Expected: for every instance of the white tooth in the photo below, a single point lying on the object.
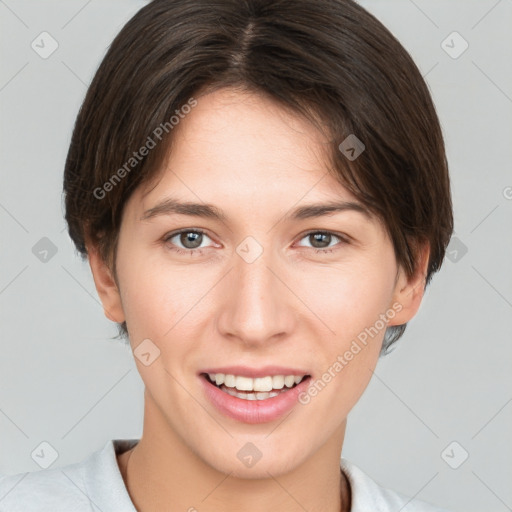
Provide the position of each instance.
(274, 393)
(229, 380)
(277, 382)
(230, 391)
(289, 381)
(243, 383)
(263, 384)
(262, 396)
(250, 396)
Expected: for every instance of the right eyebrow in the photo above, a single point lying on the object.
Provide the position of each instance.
(171, 206)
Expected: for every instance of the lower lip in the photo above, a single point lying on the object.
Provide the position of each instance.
(253, 411)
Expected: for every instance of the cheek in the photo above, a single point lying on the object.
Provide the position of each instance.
(350, 301)
(161, 300)
(149, 292)
(348, 298)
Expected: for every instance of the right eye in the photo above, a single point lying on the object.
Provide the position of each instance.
(190, 240)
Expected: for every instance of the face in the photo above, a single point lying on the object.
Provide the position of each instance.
(258, 287)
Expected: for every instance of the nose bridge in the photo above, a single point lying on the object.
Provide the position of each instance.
(255, 309)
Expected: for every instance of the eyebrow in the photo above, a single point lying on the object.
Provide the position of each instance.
(170, 206)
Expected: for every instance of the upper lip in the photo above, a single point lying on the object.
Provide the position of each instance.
(264, 371)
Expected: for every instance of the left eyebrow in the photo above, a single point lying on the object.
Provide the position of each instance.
(170, 206)
(321, 209)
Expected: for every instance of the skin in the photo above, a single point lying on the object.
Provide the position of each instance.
(291, 306)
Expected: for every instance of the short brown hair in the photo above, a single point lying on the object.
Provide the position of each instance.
(329, 61)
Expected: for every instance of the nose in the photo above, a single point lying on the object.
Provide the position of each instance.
(257, 305)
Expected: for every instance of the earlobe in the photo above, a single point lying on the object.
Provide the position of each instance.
(106, 286)
(409, 291)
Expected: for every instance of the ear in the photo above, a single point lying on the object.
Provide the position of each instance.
(105, 285)
(409, 290)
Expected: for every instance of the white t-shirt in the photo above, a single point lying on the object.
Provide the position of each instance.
(96, 484)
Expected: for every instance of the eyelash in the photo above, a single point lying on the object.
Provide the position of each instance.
(168, 237)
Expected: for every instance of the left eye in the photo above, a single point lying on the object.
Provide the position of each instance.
(322, 238)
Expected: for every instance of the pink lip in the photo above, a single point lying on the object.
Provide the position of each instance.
(253, 411)
(246, 371)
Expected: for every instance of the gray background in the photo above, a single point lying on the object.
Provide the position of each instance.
(64, 382)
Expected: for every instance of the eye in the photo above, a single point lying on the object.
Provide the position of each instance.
(190, 240)
(321, 240)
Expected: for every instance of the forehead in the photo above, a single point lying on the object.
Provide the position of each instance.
(246, 134)
(243, 150)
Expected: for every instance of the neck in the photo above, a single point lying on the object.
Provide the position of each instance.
(162, 470)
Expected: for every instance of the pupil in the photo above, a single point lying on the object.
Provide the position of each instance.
(191, 237)
(318, 238)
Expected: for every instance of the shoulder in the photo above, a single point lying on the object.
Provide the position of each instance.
(369, 495)
(94, 483)
(47, 490)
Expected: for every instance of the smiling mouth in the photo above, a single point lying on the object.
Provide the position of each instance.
(254, 389)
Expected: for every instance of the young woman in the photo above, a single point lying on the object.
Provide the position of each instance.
(261, 190)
